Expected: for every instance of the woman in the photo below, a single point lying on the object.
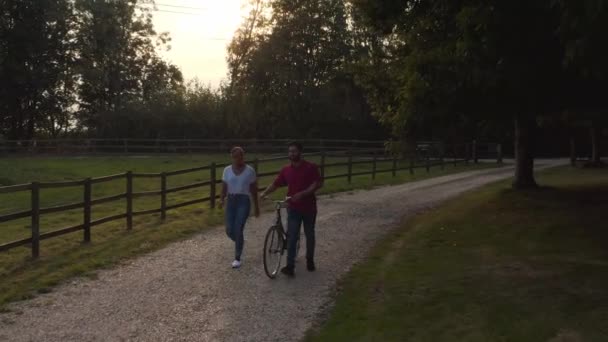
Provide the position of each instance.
(239, 186)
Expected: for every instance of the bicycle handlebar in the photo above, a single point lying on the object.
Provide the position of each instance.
(283, 204)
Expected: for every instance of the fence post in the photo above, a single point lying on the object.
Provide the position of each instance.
(129, 200)
(125, 144)
(163, 196)
(412, 161)
(87, 210)
(474, 152)
(572, 152)
(256, 165)
(212, 179)
(394, 165)
(428, 161)
(499, 150)
(322, 164)
(455, 148)
(350, 167)
(467, 151)
(374, 165)
(35, 220)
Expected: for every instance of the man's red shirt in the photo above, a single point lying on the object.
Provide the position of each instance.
(297, 179)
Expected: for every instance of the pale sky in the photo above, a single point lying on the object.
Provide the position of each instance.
(200, 31)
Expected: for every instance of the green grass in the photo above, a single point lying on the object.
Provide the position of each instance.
(65, 257)
(493, 265)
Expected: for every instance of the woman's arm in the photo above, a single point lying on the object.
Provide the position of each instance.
(223, 195)
(224, 189)
(256, 201)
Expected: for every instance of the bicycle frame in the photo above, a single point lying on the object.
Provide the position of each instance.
(279, 222)
(279, 219)
(279, 229)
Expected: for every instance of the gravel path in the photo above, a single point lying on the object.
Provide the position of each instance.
(186, 291)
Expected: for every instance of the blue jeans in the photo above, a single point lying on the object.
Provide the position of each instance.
(237, 212)
(294, 221)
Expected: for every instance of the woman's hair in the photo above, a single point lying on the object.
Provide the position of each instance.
(238, 149)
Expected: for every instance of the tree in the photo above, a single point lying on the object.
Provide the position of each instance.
(247, 39)
(583, 32)
(118, 60)
(206, 110)
(36, 66)
(289, 71)
(91, 67)
(161, 110)
(472, 60)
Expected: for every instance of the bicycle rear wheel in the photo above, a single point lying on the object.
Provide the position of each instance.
(273, 252)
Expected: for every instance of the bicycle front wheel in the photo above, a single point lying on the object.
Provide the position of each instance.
(273, 251)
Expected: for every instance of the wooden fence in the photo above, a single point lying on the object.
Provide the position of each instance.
(150, 146)
(436, 157)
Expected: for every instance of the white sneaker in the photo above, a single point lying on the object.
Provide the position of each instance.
(236, 264)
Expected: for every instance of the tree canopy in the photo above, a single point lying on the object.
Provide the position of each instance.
(450, 70)
(291, 71)
(481, 62)
(100, 74)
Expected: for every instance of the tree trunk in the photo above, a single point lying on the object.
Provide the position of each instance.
(596, 150)
(572, 151)
(524, 152)
(31, 126)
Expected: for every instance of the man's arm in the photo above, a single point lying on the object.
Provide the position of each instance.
(270, 189)
(278, 182)
(314, 186)
(307, 192)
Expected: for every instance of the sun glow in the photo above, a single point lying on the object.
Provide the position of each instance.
(200, 31)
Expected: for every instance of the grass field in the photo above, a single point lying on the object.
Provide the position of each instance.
(493, 265)
(66, 256)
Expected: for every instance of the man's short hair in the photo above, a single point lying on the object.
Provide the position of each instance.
(296, 145)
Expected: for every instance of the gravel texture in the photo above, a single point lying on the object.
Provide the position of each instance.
(187, 291)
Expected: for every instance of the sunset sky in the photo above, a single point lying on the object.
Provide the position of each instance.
(200, 31)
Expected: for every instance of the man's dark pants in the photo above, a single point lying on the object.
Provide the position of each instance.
(295, 220)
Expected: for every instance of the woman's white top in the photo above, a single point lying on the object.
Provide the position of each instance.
(239, 184)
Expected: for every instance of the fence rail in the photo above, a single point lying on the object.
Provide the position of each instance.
(432, 156)
(113, 146)
(151, 146)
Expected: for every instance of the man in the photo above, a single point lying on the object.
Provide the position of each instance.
(302, 179)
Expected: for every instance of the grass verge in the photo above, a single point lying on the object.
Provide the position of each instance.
(493, 265)
(66, 257)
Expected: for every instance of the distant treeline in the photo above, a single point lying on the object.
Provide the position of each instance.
(92, 68)
(519, 71)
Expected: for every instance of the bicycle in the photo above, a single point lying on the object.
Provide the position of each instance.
(275, 243)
